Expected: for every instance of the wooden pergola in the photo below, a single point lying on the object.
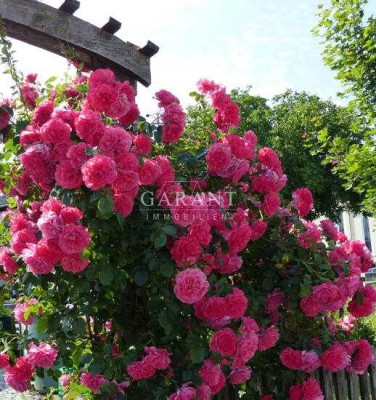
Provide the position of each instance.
(60, 32)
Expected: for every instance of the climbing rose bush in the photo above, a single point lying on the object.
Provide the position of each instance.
(153, 272)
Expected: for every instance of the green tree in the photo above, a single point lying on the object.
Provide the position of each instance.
(349, 40)
(297, 125)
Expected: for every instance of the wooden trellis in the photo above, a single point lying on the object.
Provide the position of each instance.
(60, 32)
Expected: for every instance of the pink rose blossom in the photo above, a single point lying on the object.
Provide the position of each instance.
(270, 159)
(271, 203)
(157, 358)
(71, 215)
(239, 237)
(89, 127)
(201, 233)
(55, 131)
(258, 229)
(74, 263)
(74, 239)
(93, 381)
(149, 172)
(68, 175)
(115, 140)
(218, 158)
(310, 361)
(268, 338)
(214, 308)
(291, 358)
(210, 373)
(131, 116)
(18, 376)
(6, 260)
(165, 98)
(43, 356)
(76, 154)
(237, 303)
(50, 224)
(141, 370)
(361, 357)
(101, 97)
(303, 201)
(42, 113)
(203, 392)
(143, 144)
(98, 172)
(21, 239)
(65, 379)
(335, 358)
(4, 360)
(311, 390)
(185, 393)
(173, 120)
(20, 310)
(191, 285)
(216, 388)
(248, 325)
(240, 375)
(186, 251)
(245, 350)
(37, 259)
(123, 204)
(189, 210)
(224, 342)
(101, 76)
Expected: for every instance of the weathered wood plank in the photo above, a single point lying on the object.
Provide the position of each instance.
(365, 392)
(353, 385)
(372, 379)
(340, 385)
(112, 26)
(59, 32)
(150, 49)
(70, 6)
(328, 385)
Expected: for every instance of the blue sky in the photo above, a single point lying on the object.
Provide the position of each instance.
(267, 44)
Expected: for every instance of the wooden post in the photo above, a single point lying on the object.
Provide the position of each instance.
(60, 32)
(364, 387)
(353, 385)
(340, 385)
(328, 385)
(372, 378)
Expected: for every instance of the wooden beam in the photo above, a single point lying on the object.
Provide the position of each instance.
(112, 26)
(70, 6)
(150, 49)
(64, 34)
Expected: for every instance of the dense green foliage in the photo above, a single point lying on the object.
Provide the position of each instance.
(349, 40)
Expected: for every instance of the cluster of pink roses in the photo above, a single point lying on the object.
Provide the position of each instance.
(355, 356)
(82, 149)
(47, 234)
(227, 113)
(156, 359)
(235, 351)
(75, 148)
(308, 390)
(331, 296)
(173, 118)
(18, 376)
(29, 91)
(4, 114)
(24, 313)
